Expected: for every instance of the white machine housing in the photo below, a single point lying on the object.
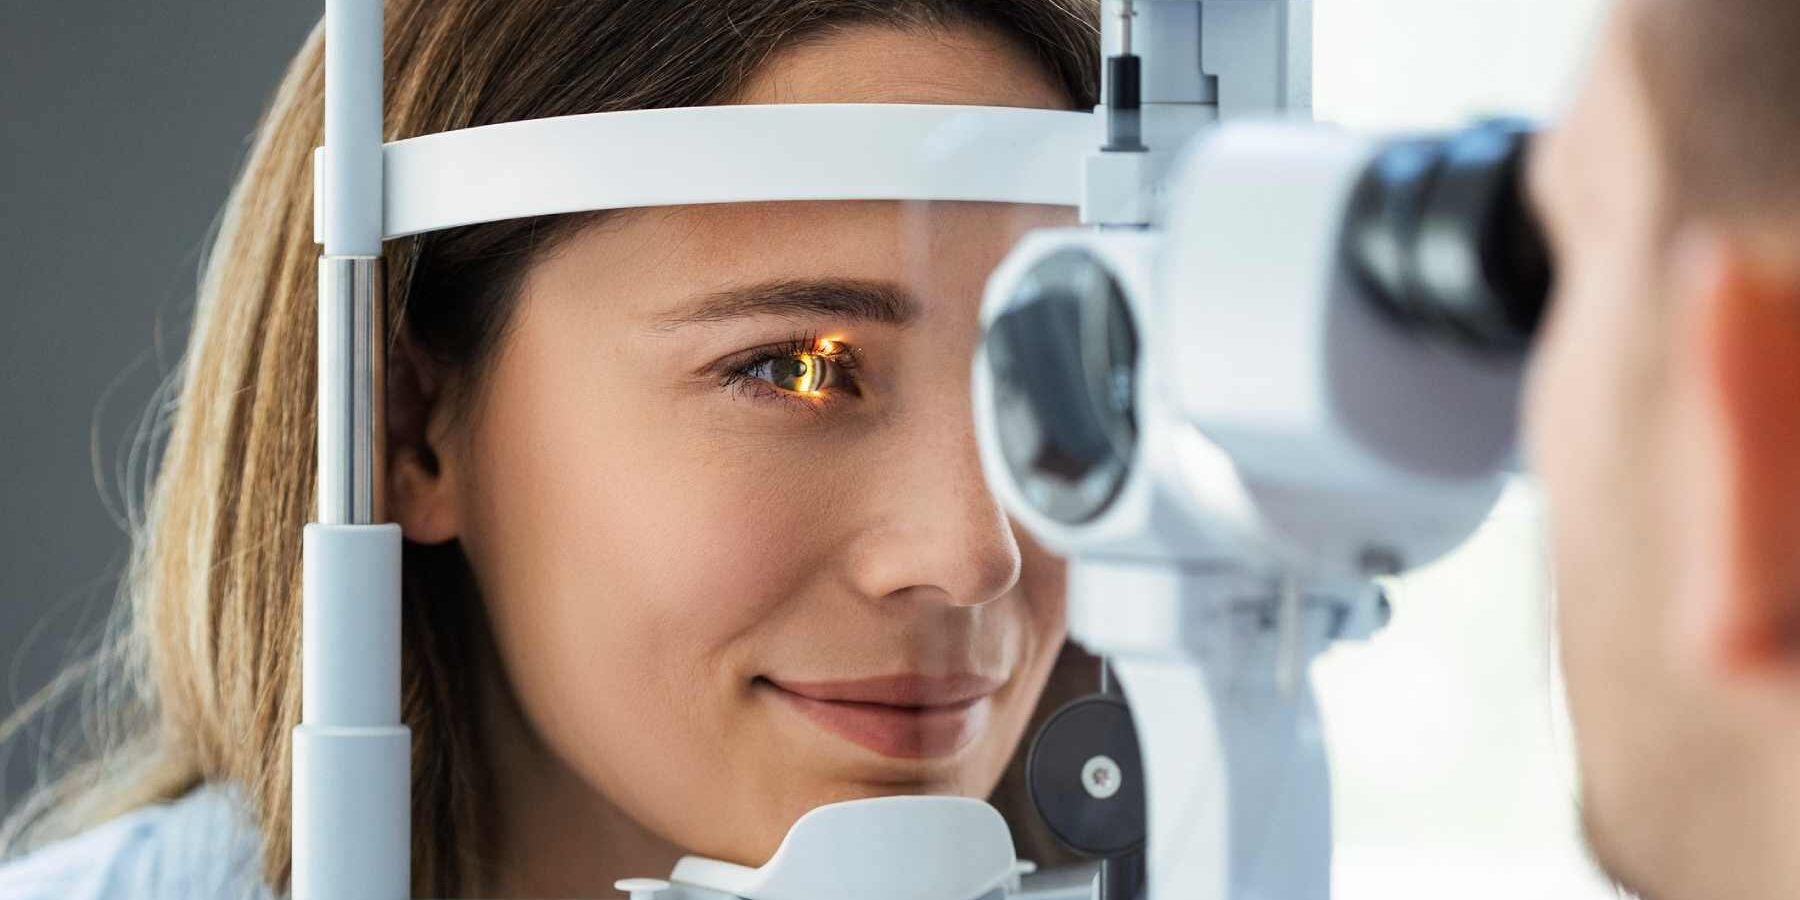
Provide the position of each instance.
(1293, 443)
(1278, 408)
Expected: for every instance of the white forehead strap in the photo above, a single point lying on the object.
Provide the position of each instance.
(731, 154)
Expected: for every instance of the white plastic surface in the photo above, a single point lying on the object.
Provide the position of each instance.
(352, 757)
(1240, 806)
(884, 848)
(1262, 53)
(1182, 499)
(352, 813)
(1120, 188)
(727, 154)
(1350, 433)
(350, 631)
(349, 222)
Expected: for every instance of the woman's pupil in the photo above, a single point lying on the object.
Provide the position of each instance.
(792, 369)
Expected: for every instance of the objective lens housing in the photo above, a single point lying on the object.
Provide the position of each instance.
(1063, 356)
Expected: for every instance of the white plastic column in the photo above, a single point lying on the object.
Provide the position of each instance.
(1204, 61)
(351, 756)
(1238, 790)
(352, 775)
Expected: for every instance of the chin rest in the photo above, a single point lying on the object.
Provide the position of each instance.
(885, 848)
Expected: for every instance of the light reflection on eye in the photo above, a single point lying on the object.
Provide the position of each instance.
(801, 374)
(811, 369)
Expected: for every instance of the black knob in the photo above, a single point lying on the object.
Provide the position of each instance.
(1087, 779)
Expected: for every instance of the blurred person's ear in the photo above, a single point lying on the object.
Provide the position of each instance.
(1736, 324)
(423, 465)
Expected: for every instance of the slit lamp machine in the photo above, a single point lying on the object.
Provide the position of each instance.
(1276, 362)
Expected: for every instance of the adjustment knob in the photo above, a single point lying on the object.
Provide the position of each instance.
(1087, 778)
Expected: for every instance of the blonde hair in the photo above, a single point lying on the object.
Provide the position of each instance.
(200, 681)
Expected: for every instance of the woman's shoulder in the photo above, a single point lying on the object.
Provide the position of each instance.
(202, 846)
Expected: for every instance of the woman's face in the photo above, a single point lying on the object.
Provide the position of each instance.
(722, 497)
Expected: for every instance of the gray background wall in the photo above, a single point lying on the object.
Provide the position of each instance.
(124, 122)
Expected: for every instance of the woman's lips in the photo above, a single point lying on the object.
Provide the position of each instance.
(900, 716)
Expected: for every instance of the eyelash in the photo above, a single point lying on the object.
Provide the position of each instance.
(740, 373)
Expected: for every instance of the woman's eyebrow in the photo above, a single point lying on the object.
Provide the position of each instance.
(837, 298)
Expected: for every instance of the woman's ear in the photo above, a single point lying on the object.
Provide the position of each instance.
(1741, 315)
(424, 462)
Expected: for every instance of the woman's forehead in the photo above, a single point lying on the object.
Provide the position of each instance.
(968, 65)
(647, 263)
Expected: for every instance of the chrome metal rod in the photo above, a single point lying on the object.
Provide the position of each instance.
(352, 391)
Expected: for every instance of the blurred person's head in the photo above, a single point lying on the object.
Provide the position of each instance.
(697, 535)
(1665, 422)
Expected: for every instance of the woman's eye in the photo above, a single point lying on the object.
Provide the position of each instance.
(813, 370)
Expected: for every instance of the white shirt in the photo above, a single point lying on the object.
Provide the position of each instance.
(201, 847)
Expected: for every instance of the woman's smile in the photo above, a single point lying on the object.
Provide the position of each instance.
(906, 716)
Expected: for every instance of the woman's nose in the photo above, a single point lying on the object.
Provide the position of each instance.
(934, 526)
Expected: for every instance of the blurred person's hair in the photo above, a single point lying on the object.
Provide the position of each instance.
(199, 679)
(1723, 80)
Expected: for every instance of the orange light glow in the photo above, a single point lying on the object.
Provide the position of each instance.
(814, 379)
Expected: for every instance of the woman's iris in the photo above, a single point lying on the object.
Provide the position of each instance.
(813, 369)
(807, 371)
(802, 373)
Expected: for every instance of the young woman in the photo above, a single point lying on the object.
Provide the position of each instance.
(697, 535)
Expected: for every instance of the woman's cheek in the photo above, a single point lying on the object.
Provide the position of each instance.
(623, 560)
(1044, 578)
(1041, 593)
